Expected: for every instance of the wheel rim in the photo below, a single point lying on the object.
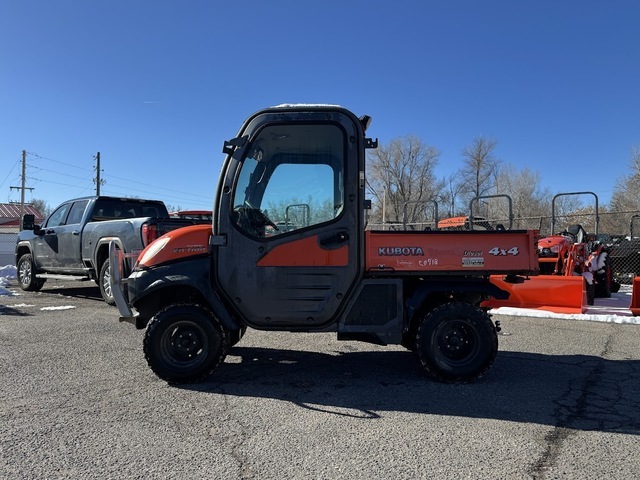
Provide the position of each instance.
(25, 273)
(184, 345)
(106, 285)
(457, 341)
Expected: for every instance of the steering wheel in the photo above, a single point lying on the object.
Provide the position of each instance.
(253, 219)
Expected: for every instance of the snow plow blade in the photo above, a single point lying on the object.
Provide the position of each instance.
(558, 294)
(635, 297)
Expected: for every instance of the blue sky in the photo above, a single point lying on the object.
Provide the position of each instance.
(157, 86)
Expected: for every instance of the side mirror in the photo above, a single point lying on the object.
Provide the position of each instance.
(28, 221)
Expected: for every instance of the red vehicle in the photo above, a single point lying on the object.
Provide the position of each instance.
(462, 223)
(193, 214)
(573, 252)
(289, 250)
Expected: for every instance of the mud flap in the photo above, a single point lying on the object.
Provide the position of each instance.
(558, 294)
(635, 297)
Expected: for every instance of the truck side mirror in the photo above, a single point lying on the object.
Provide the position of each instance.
(28, 221)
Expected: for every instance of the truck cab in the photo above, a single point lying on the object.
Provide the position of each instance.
(290, 218)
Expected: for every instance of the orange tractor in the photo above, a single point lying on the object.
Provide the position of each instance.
(574, 269)
(573, 252)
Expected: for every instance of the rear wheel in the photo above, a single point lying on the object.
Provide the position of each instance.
(103, 283)
(591, 293)
(604, 280)
(456, 342)
(184, 343)
(27, 275)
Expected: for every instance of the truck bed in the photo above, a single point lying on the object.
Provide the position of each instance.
(452, 252)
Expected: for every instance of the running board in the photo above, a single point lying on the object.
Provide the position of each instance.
(62, 276)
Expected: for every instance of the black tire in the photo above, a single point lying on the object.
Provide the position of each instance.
(27, 274)
(409, 337)
(103, 283)
(184, 343)
(604, 280)
(591, 293)
(615, 286)
(456, 342)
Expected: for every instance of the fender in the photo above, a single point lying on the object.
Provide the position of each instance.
(94, 261)
(177, 281)
(477, 286)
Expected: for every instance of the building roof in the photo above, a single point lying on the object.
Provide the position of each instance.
(10, 214)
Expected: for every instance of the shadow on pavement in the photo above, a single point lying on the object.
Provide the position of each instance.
(566, 391)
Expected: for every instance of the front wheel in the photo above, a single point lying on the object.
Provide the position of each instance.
(27, 275)
(456, 342)
(184, 343)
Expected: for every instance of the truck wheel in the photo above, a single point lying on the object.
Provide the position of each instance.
(27, 275)
(103, 283)
(184, 343)
(456, 342)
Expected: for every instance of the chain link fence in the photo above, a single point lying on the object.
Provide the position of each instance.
(8, 237)
(623, 244)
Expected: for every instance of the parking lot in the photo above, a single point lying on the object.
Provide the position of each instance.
(77, 400)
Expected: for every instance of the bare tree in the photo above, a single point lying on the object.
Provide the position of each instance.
(402, 174)
(477, 177)
(451, 196)
(625, 196)
(42, 206)
(531, 203)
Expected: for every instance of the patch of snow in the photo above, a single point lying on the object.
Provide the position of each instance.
(62, 307)
(7, 273)
(610, 310)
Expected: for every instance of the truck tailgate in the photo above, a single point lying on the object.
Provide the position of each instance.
(444, 252)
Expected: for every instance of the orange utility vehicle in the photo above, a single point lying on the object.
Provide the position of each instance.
(197, 289)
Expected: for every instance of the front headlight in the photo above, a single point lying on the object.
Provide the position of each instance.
(152, 250)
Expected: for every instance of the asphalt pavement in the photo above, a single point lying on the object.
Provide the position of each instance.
(77, 400)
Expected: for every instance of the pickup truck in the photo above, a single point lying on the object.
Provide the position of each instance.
(73, 241)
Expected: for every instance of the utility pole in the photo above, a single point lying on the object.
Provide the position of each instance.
(24, 176)
(23, 187)
(98, 180)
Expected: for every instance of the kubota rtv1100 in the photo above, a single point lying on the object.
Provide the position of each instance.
(289, 250)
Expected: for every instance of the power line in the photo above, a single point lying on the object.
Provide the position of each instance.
(57, 161)
(11, 171)
(186, 196)
(58, 173)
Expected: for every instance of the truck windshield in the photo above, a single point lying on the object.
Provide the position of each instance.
(291, 178)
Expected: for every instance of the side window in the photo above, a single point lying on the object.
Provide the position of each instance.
(293, 208)
(58, 217)
(77, 211)
(291, 178)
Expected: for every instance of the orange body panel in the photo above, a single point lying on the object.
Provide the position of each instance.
(635, 297)
(552, 293)
(181, 243)
(452, 252)
(305, 252)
